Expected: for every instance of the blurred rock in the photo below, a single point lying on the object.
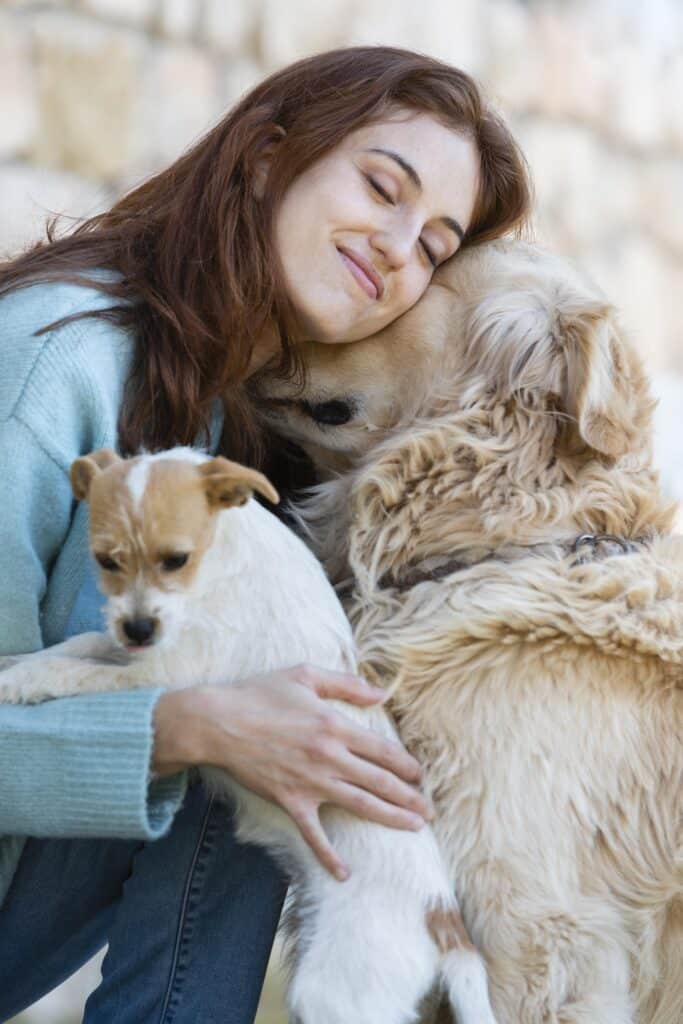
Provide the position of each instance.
(232, 28)
(87, 81)
(137, 12)
(168, 118)
(18, 105)
(178, 18)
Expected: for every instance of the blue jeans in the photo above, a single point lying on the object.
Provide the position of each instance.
(189, 919)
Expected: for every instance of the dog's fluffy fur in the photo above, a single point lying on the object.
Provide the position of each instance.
(501, 418)
(251, 598)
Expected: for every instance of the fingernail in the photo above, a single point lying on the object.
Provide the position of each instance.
(341, 873)
(417, 822)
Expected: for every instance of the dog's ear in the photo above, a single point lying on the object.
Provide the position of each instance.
(85, 469)
(557, 341)
(606, 392)
(228, 483)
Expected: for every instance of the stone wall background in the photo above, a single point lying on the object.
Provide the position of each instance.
(95, 94)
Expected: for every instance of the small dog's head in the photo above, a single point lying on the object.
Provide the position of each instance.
(152, 521)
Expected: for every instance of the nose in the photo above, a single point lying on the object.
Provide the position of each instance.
(140, 631)
(395, 245)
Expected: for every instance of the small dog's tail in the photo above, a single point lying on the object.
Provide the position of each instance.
(463, 971)
(463, 974)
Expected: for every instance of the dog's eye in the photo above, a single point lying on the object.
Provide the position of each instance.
(173, 562)
(331, 414)
(107, 563)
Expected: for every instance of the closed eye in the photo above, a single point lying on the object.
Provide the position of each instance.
(389, 199)
(430, 255)
(382, 191)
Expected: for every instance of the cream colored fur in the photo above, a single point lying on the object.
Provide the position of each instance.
(502, 417)
(250, 599)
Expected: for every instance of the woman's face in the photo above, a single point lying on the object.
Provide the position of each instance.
(360, 232)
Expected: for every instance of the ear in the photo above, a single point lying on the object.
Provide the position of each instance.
(228, 483)
(262, 163)
(84, 470)
(606, 388)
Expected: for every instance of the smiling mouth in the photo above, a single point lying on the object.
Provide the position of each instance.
(365, 275)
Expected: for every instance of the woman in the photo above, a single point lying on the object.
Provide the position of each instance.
(318, 208)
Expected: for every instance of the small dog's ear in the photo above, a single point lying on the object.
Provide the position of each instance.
(606, 388)
(228, 483)
(85, 469)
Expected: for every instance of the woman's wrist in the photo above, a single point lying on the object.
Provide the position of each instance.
(181, 730)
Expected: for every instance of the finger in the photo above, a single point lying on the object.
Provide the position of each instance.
(365, 805)
(340, 685)
(380, 751)
(383, 784)
(313, 833)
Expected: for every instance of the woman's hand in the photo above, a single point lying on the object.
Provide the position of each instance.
(277, 736)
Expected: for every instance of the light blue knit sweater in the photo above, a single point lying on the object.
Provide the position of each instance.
(77, 766)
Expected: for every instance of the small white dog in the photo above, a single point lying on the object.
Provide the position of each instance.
(192, 570)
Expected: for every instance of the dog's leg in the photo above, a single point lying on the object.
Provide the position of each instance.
(88, 663)
(362, 956)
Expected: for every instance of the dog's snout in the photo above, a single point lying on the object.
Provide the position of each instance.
(140, 631)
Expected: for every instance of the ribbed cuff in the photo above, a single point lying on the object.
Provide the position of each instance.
(80, 766)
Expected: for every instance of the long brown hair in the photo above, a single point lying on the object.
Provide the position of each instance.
(194, 274)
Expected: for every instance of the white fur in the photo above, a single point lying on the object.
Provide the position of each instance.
(260, 601)
(137, 482)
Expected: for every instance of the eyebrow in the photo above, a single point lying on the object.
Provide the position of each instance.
(449, 222)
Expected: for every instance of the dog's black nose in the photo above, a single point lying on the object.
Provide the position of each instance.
(140, 631)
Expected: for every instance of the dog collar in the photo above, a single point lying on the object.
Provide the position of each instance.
(587, 547)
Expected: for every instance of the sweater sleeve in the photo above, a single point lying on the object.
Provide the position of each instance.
(79, 766)
(35, 519)
(76, 766)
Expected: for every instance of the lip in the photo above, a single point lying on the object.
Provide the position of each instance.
(365, 274)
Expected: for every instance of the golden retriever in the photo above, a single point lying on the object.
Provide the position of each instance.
(536, 671)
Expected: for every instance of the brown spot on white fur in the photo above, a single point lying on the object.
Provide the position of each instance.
(446, 927)
(140, 534)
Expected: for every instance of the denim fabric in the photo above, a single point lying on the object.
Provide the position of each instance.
(189, 919)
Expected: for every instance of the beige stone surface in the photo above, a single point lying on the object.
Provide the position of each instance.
(178, 18)
(96, 93)
(137, 12)
(18, 101)
(87, 78)
(232, 28)
(177, 98)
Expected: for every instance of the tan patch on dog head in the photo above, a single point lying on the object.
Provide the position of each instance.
(447, 929)
(155, 527)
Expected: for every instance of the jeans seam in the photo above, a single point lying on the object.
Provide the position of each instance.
(175, 971)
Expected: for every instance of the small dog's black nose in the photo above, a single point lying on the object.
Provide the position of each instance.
(140, 631)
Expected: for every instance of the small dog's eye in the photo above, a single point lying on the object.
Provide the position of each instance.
(330, 414)
(173, 562)
(107, 563)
